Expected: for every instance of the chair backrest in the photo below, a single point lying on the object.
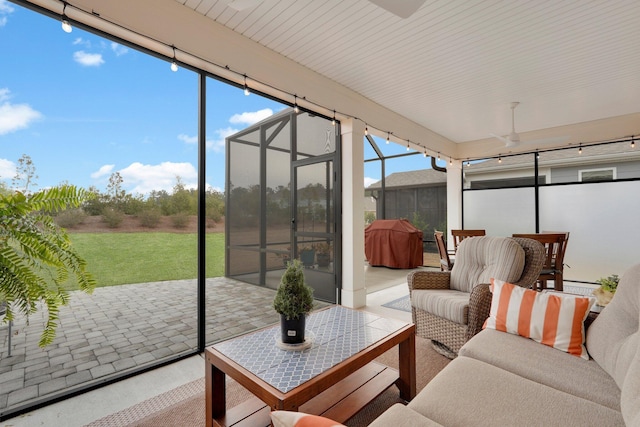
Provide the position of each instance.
(555, 247)
(459, 235)
(445, 261)
(485, 257)
(563, 249)
(534, 257)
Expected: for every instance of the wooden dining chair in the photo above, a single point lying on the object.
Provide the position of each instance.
(555, 245)
(445, 261)
(459, 235)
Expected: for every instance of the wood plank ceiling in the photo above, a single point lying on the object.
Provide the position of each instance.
(455, 65)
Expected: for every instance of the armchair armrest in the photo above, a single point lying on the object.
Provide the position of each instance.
(479, 307)
(428, 280)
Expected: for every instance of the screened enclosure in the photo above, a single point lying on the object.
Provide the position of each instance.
(282, 198)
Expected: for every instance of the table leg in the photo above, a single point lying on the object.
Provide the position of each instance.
(215, 394)
(407, 364)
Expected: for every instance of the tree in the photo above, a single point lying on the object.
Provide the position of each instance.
(115, 191)
(36, 256)
(25, 175)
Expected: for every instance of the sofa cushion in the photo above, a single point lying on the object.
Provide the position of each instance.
(552, 319)
(469, 392)
(446, 303)
(544, 365)
(630, 398)
(399, 415)
(481, 258)
(613, 337)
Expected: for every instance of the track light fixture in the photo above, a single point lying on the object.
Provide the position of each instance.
(247, 92)
(580, 149)
(388, 135)
(366, 130)
(499, 159)
(633, 142)
(450, 161)
(295, 104)
(408, 148)
(333, 121)
(174, 64)
(438, 155)
(425, 153)
(66, 26)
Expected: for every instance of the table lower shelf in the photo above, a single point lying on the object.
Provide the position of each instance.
(339, 403)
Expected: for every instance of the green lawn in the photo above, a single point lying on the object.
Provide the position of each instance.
(124, 258)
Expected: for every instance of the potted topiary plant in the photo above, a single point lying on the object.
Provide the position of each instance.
(293, 301)
(323, 254)
(606, 290)
(308, 255)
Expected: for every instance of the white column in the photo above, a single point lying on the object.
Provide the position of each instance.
(454, 197)
(354, 294)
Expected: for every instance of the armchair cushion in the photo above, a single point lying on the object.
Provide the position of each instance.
(446, 303)
(481, 258)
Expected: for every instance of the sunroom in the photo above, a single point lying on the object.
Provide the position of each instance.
(438, 82)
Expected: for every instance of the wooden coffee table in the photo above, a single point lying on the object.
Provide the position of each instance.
(335, 377)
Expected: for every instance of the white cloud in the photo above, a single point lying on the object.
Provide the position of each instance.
(368, 181)
(218, 144)
(7, 169)
(88, 59)
(82, 42)
(142, 179)
(118, 49)
(251, 117)
(15, 116)
(5, 9)
(103, 171)
(188, 139)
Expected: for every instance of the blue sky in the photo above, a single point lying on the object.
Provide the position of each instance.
(83, 107)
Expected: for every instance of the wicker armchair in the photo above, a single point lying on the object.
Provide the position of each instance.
(451, 307)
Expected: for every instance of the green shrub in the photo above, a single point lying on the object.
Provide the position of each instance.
(149, 218)
(70, 218)
(180, 220)
(112, 217)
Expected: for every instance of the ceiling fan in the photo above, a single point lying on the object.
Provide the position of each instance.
(401, 8)
(513, 139)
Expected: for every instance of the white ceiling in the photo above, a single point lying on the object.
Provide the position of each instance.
(455, 65)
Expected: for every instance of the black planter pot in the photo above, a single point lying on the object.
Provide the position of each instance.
(292, 330)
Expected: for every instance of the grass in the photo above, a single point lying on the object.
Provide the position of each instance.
(125, 258)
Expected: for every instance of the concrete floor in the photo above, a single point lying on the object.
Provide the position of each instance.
(383, 285)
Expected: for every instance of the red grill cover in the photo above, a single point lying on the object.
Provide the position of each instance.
(393, 243)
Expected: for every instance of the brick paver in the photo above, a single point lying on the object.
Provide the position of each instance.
(122, 327)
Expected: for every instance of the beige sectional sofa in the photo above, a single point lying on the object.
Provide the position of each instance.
(502, 379)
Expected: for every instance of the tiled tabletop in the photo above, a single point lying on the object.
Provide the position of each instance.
(337, 333)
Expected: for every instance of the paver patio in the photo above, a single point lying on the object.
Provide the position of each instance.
(121, 328)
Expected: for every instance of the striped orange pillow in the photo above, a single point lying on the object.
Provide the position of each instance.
(552, 319)
(300, 419)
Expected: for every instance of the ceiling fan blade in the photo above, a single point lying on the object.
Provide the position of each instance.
(401, 8)
(506, 141)
(241, 5)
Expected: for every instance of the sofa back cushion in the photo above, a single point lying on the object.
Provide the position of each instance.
(630, 396)
(613, 339)
(479, 259)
